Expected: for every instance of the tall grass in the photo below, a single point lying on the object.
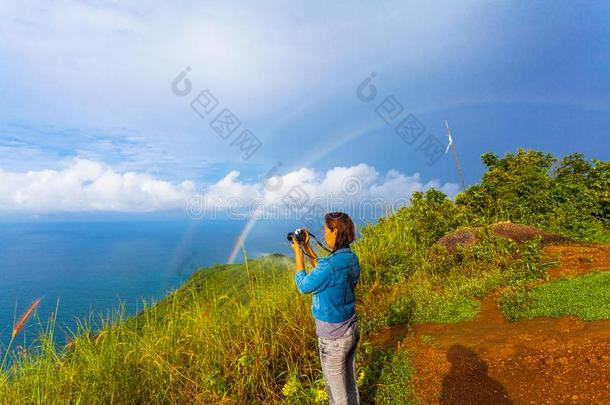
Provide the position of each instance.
(17, 328)
(200, 344)
(243, 334)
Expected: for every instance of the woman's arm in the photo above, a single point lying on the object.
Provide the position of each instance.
(316, 279)
(313, 258)
(298, 255)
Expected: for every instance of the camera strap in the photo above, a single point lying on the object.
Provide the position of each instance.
(319, 244)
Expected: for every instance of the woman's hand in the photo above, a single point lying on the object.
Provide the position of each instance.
(296, 246)
(310, 253)
(306, 242)
(298, 255)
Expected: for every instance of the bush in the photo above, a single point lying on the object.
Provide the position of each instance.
(570, 196)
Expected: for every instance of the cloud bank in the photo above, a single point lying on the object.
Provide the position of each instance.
(359, 189)
(87, 186)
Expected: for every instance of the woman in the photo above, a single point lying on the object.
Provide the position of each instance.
(332, 282)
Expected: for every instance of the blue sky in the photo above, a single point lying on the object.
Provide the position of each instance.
(90, 123)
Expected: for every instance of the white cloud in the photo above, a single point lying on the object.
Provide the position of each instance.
(87, 186)
(357, 187)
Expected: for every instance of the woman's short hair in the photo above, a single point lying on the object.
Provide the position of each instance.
(344, 226)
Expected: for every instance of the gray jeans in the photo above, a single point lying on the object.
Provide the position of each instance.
(338, 359)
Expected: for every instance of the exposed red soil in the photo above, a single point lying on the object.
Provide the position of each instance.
(488, 360)
(517, 232)
(578, 259)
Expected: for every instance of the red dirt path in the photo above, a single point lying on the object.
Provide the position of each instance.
(488, 360)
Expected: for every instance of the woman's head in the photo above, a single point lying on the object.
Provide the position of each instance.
(338, 230)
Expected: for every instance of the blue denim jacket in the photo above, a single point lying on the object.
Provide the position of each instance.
(332, 283)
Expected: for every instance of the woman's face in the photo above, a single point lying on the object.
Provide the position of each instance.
(330, 236)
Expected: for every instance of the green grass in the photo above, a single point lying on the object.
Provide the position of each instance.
(394, 386)
(232, 334)
(586, 297)
(243, 334)
(447, 288)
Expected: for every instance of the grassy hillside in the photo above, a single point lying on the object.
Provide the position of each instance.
(242, 333)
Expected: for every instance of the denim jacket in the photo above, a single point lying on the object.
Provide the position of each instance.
(332, 284)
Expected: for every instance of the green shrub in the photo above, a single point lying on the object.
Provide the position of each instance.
(570, 196)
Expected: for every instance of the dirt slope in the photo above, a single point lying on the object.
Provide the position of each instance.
(516, 232)
(488, 360)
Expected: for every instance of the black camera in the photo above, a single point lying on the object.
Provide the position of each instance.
(300, 235)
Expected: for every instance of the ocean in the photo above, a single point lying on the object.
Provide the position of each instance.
(89, 268)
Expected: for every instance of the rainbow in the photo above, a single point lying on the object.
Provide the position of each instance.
(241, 238)
(310, 159)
